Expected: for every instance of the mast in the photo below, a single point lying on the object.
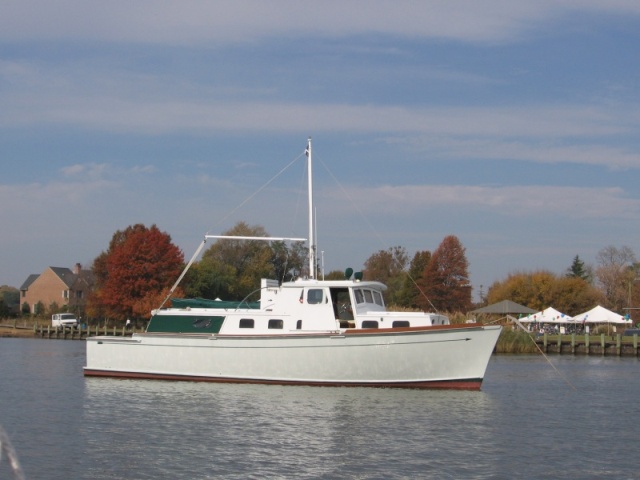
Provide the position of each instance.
(312, 235)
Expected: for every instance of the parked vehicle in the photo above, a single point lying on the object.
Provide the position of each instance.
(64, 320)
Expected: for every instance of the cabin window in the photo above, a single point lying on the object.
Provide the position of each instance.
(377, 297)
(247, 323)
(299, 325)
(359, 297)
(368, 296)
(273, 323)
(342, 307)
(400, 323)
(314, 296)
(202, 323)
(370, 324)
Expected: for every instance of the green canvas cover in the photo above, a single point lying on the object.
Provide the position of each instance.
(185, 324)
(206, 303)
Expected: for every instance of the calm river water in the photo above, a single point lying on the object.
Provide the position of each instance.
(575, 418)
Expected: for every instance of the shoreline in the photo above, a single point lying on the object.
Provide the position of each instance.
(9, 331)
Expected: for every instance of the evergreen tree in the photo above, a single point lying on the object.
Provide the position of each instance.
(578, 270)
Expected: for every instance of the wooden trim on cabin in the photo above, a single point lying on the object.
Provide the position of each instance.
(457, 326)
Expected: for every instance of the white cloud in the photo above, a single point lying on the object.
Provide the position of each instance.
(86, 170)
(203, 22)
(570, 133)
(538, 149)
(158, 116)
(510, 201)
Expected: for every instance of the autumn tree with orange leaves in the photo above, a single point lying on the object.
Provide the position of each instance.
(445, 282)
(134, 275)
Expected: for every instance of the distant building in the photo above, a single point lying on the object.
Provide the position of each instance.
(65, 288)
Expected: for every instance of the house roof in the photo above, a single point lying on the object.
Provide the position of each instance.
(504, 307)
(65, 274)
(30, 279)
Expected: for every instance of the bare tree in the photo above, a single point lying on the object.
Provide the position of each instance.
(614, 273)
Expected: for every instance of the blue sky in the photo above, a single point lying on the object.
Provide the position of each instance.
(513, 125)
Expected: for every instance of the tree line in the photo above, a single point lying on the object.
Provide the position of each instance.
(141, 264)
(135, 274)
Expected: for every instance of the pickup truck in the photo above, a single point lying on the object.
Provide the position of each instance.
(64, 320)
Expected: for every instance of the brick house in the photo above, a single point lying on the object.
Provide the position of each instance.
(65, 288)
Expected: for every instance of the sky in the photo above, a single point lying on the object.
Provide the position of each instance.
(513, 125)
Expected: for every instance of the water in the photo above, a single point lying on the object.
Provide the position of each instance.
(529, 421)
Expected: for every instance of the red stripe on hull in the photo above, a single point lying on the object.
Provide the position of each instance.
(468, 384)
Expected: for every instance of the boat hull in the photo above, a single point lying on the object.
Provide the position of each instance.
(451, 357)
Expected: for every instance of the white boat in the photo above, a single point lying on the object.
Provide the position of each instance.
(303, 332)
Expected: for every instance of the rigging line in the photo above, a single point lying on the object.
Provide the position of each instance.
(256, 192)
(184, 272)
(295, 218)
(565, 379)
(204, 241)
(377, 235)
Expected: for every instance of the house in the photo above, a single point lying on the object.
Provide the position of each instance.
(56, 288)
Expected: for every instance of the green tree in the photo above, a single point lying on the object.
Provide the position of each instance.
(238, 265)
(231, 269)
(209, 279)
(578, 269)
(335, 275)
(288, 260)
(446, 279)
(388, 266)
(135, 273)
(9, 301)
(409, 293)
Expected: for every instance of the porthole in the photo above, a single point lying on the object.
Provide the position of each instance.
(400, 323)
(247, 323)
(276, 324)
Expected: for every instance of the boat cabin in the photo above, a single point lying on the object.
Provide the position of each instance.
(302, 306)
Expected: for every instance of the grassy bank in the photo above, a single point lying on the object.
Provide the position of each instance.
(511, 341)
(10, 331)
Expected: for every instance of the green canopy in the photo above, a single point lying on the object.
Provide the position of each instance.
(206, 303)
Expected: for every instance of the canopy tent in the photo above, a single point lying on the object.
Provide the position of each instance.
(548, 315)
(601, 315)
(504, 307)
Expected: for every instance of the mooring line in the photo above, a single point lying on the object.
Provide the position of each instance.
(517, 322)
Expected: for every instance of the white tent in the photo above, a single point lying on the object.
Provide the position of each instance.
(601, 315)
(548, 315)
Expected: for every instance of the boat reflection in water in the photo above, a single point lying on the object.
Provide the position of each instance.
(199, 430)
